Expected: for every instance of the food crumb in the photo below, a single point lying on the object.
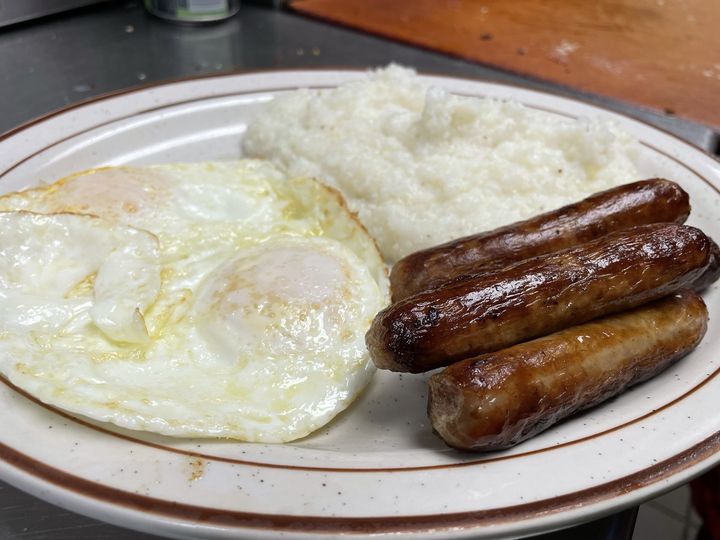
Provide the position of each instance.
(197, 469)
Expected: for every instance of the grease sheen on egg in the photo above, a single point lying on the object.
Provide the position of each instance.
(216, 300)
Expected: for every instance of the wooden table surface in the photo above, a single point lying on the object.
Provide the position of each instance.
(661, 54)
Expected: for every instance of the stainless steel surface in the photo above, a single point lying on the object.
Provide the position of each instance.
(54, 62)
(23, 517)
(15, 11)
(51, 63)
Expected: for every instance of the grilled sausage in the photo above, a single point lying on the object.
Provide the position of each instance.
(639, 203)
(537, 296)
(712, 273)
(500, 399)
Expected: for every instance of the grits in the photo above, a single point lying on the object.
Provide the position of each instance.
(421, 166)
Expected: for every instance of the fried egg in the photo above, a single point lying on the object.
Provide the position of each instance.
(199, 300)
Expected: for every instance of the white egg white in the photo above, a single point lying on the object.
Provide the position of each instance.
(206, 300)
(46, 259)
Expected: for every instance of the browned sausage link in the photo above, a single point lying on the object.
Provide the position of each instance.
(712, 274)
(499, 399)
(639, 203)
(537, 296)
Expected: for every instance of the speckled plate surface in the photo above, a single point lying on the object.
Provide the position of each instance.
(377, 469)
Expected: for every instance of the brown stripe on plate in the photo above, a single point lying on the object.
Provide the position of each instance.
(482, 461)
(118, 119)
(237, 73)
(275, 89)
(374, 524)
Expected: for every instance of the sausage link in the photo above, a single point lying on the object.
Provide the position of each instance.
(712, 273)
(639, 203)
(500, 399)
(537, 296)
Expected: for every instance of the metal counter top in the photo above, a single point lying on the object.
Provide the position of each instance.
(53, 62)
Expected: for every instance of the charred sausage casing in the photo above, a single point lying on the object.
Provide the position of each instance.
(639, 203)
(538, 296)
(712, 273)
(500, 399)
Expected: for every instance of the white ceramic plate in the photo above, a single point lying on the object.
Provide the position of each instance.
(378, 468)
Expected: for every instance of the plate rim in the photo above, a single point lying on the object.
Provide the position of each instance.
(683, 462)
(334, 69)
(467, 521)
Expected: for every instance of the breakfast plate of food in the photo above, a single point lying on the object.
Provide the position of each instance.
(312, 303)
